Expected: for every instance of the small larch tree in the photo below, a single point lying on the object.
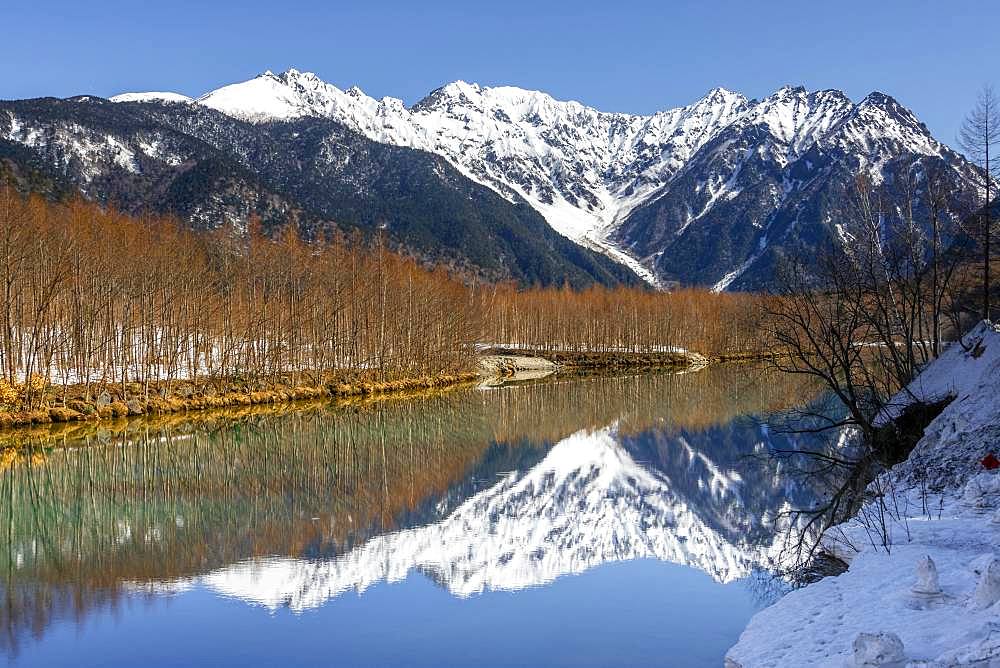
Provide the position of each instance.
(979, 137)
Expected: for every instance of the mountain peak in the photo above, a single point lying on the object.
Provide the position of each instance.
(890, 107)
(723, 92)
(292, 74)
(460, 86)
(879, 123)
(718, 97)
(877, 97)
(798, 118)
(879, 100)
(789, 89)
(442, 96)
(788, 94)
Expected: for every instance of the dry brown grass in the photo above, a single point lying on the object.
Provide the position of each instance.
(78, 409)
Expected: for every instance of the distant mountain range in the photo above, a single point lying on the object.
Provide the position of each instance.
(498, 182)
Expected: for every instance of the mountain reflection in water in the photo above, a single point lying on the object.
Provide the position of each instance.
(478, 490)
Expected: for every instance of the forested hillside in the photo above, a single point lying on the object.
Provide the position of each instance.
(216, 171)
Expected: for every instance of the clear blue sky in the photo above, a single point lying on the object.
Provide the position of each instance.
(616, 55)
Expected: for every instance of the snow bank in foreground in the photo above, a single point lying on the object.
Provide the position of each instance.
(948, 510)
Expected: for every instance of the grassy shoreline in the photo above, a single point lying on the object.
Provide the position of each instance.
(72, 404)
(54, 434)
(116, 402)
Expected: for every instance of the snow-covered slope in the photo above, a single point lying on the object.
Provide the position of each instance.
(152, 96)
(969, 427)
(941, 503)
(586, 170)
(780, 182)
(583, 169)
(581, 166)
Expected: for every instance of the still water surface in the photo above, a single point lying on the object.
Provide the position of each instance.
(597, 521)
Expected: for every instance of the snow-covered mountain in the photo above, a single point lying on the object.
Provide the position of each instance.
(780, 181)
(583, 169)
(632, 186)
(716, 193)
(152, 96)
(157, 152)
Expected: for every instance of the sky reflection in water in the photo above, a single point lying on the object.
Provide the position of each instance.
(600, 521)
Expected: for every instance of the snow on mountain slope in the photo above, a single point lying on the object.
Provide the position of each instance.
(586, 503)
(586, 170)
(779, 182)
(582, 169)
(152, 96)
(69, 141)
(880, 125)
(275, 97)
(72, 145)
(796, 118)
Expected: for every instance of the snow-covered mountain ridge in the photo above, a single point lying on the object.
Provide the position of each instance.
(586, 170)
(156, 152)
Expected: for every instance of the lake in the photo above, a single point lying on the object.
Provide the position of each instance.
(580, 521)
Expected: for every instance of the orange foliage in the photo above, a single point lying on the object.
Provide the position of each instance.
(630, 319)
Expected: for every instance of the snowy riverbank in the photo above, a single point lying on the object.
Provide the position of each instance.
(944, 505)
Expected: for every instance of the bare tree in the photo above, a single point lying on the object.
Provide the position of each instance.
(978, 137)
(863, 318)
(269, 307)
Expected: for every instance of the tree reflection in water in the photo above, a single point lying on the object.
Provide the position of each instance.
(665, 466)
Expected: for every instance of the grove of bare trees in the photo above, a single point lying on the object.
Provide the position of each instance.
(94, 298)
(633, 320)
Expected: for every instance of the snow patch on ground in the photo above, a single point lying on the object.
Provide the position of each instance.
(969, 427)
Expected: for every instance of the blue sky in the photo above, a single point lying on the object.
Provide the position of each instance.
(616, 55)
